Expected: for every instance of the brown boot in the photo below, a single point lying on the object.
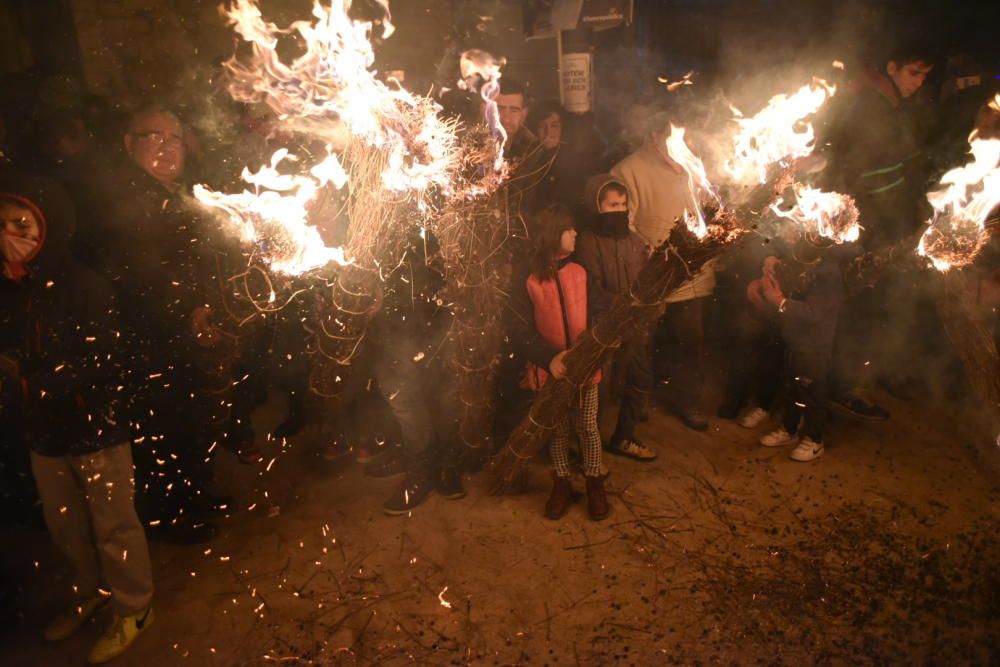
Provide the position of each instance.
(597, 498)
(561, 497)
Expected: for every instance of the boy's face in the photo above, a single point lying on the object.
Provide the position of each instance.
(909, 77)
(550, 131)
(613, 200)
(512, 112)
(19, 221)
(567, 242)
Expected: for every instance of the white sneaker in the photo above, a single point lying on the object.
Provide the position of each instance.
(753, 418)
(807, 450)
(779, 438)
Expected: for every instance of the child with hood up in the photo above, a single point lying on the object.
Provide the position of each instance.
(613, 256)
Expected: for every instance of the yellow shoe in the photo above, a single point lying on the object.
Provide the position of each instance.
(120, 635)
(69, 621)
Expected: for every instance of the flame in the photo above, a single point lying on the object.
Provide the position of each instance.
(331, 87)
(957, 230)
(273, 217)
(776, 135)
(481, 71)
(700, 187)
(829, 214)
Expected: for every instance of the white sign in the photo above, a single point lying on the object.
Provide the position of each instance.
(575, 82)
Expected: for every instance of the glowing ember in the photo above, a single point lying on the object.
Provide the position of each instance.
(701, 188)
(331, 87)
(444, 603)
(828, 214)
(776, 135)
(957, 231)
(273, 217)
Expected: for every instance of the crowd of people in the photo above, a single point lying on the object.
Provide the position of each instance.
(114, 285)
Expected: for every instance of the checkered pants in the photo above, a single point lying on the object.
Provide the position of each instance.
(586, 431)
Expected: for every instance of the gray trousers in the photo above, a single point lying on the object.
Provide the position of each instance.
(89, 508)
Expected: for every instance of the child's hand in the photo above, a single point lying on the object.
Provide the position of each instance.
(772, 290)
(556, 367)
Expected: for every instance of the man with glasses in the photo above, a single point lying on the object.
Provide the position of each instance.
(162, 260)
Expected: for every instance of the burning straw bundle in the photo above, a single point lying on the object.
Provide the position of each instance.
(472, 232)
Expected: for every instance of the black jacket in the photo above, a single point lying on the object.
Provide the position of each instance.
(162, 260)
(67, 337)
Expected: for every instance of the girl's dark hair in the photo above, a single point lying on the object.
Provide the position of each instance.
(547, 227)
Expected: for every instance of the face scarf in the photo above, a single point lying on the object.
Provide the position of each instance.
(17, 251)
(613, 223)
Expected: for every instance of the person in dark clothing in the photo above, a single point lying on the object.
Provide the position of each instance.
(572, 149)
(404, 339)
(806, 291)
(613, 256)
(67, 364)
(556, 304)
(160, 259)
(878, 147)
(753, 351)
(878, 154)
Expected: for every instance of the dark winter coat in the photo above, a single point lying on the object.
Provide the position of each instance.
(163, 262)
(880, 158)
(808, 321)
(612, 254)
(69, 348)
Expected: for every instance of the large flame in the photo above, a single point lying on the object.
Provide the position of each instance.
(273, 217)
(332, 83)
(776, 135)
(957, 230)
(481, 72)
(828, 214)
(701, 188)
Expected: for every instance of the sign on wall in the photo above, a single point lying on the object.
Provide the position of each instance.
(576, 82)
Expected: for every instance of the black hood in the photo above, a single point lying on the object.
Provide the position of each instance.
(59, 220)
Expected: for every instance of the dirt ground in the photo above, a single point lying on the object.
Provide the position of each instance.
(884, 551)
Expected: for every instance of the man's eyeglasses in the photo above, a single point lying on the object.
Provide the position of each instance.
(160, 139)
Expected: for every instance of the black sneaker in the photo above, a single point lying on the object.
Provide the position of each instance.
(413, 491)
(389, 464)
(855, 406)
(183, 531)
(449, 484)
(289, 427)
